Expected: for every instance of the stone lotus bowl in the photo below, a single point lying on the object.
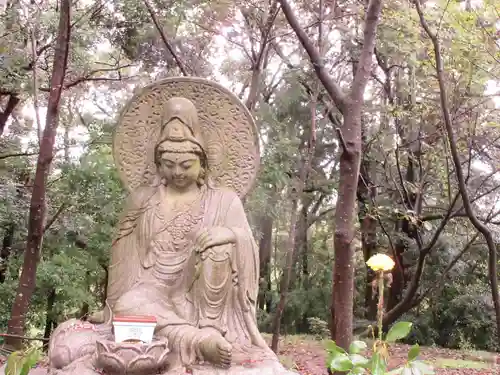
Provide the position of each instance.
(131, 358)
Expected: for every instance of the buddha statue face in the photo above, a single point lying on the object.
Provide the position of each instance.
(180, 169)
(179, 155)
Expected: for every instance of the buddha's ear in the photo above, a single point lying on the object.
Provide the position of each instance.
(202, 176)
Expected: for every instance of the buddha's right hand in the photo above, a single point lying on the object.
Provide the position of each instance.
(103, 316)
(97, 317)
(214, 236)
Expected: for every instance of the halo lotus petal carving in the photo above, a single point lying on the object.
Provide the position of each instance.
(230, 134)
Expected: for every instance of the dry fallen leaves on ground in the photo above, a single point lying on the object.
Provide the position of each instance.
(307, 356)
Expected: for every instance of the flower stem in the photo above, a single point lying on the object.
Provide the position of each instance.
(380, 306)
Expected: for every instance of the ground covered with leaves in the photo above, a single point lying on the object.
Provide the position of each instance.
(307, 356)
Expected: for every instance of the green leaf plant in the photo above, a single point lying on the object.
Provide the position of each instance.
(21, 362)
(353, 362)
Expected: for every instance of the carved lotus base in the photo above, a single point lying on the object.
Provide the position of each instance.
(130, 358)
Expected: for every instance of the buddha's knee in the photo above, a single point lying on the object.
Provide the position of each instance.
(141, 299)
(218, 270)
(129, 302)
(218, 254)
(70, 341)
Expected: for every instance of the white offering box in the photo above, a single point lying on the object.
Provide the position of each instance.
(134, 328)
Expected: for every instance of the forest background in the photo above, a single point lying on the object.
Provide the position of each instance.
(424, 135)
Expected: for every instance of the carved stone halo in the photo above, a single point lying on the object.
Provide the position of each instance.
(229, 133)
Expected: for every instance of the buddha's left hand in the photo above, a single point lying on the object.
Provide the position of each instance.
(215, 236)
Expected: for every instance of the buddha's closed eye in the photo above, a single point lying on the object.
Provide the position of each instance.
(187, 164)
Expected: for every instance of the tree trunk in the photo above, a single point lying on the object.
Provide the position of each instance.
(22, 177)
(410, 199)
(297, 191)
(104, 285)
(300, 242)
(306, 285)
(300, 250)
(9, 108)
(8, 240)
(302, 269)
(366, 197)
(10, 19)
(84, 310)
(350, 158)
(50, 318)
(349, 168)
(285, 279)
(343, 270)
(399, 282)
(37, 210)
(265, 249)
(407, 302)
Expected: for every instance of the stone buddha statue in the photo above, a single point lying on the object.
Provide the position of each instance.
(184, 251)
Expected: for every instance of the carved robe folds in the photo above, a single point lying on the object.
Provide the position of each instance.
(190, 139)
(190, 294)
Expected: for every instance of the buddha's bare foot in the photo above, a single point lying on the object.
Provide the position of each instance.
(217, 350)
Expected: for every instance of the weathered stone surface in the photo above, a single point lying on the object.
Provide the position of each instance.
(127, 358)
(187, 149)
(256, 368)
(228, 131)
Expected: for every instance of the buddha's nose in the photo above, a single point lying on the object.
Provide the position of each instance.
(177, 172)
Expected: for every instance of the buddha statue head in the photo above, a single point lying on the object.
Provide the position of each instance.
(180, 157)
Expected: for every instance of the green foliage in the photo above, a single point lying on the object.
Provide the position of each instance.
(398, 331)
(460, 319)
(460, 313)
(354, 362)
(87, 190)
(318, 327)
(21, 362)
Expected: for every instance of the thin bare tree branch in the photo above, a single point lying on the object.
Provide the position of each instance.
(259, 59)
(13, 101)
(35, 86)
(90, 76)
(54, 218)
(338, 95)
(16, 154)
(6, 335)
(461, 179)
(169, 46)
